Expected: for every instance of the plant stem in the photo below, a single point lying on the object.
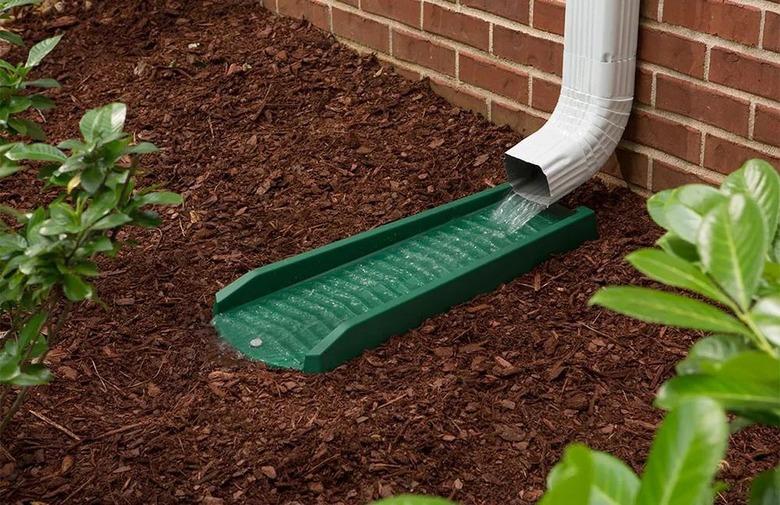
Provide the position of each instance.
(53, 333)
(760, 340)
(14, 408)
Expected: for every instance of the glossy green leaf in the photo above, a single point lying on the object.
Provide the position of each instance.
(676, 246)
(39, 51)
(732, 242)
(36, 152)
(97, 245)
(43, 83)
(710, 353)
(142, 148)
(685, 455)
(699, 197)
(160, 198)
(112, 221)
(760, 180)
(7, 5)
(41, 102)
(570, 481)
(32, 329)
(676, 272)
(589, 477)
(146, 219)
(747, 384)
(766, 488)
(8, 168)
(11, 243)
(11, 38)
(91, 178)
(32, 375)
(682, 220)
(101, 206)
(28, 128)
(414, 500)
(686, 207)
(613, 481)
(103, 122)
(656, 207)
(75, 288)
(665, 308)
(9, 364)
(766, 315)
(18, 104)
(772, 273)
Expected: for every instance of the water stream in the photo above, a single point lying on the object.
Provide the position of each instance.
(514, 212)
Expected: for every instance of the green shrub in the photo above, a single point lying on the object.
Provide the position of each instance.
(48, 254)
(722, 245)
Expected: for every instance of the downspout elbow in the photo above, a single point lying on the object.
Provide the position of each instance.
(597, 93)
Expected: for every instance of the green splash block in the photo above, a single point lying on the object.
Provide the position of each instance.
(315, 311)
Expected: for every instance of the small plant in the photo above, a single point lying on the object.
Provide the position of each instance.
(47, 256)
(724, 246)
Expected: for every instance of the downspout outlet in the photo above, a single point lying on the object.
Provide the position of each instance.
(597, 94)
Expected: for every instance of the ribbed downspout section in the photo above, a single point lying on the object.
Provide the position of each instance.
(599, 64)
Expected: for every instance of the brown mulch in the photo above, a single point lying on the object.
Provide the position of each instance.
(281, 140)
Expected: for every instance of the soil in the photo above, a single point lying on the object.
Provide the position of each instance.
(282, 140)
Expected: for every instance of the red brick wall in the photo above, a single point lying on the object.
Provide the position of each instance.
(708, 81)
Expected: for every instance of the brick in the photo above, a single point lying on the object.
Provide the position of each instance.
(545, 94)
(517, 119)
(549, 16)
(459, 97)
(494, 77)
(362, 30)
(672, 51)
(629, 166)
(407, 73)
(410, 47)
(668, 136)
(667, 176)
(698, 102)
(456, 26)
(724, 18)
(744, 72)
(523, 48)
(772, 32)
(725, 156)
(516, 10)
(767, 127)
(649, 9)
(314, 12)
(405, 11)
(644, 86)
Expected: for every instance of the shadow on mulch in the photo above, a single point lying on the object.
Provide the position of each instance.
(281, 140)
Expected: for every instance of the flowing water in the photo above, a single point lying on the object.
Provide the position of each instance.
(514, 212)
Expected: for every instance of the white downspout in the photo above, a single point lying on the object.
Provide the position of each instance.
(599, 62)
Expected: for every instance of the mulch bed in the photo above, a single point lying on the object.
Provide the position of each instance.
(281, 140)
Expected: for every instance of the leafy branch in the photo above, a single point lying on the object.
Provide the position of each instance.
(48, 255)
